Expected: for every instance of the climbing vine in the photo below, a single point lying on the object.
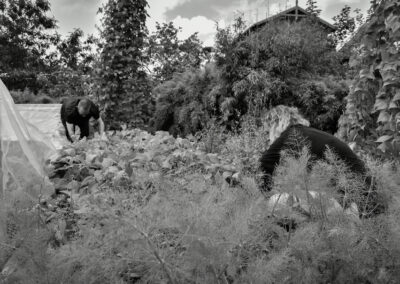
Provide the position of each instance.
(373, 104)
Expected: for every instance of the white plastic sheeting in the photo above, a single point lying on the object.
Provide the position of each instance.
(46, 118)
(23, 152)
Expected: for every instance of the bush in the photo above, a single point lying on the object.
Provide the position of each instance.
(300, 49)
(321, 100)
(28, 97)
(21, 80)
(182, 106)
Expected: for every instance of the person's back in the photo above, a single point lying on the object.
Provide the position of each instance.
(287, 131)
(318, 142)
(77, 112)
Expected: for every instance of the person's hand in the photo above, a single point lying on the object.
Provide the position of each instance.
(103, 137)
(75, 137)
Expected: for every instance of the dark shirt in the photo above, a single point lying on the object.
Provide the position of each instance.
(318, 142)
(70, 114)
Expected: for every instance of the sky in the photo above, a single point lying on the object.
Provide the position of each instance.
(191, 15)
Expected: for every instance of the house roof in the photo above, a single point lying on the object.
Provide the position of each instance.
(291, 12)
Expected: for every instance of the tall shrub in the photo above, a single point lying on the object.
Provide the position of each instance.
(373, 105)
(123, 86)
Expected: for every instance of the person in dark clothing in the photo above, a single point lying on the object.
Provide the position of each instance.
(78, 112)
(288, 130)
(318, 142)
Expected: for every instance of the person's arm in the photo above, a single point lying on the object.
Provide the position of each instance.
(101, 129)
(71, 130)
(95, 113)
(101, 126)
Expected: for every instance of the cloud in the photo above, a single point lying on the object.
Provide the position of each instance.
(73, 14)
(192, 9)
(211, 9)
(191, 26)
(191, 15)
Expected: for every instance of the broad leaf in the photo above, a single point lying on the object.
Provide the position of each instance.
(384, 116)
(384, 147)
(381, 105)
(384, 138)
(393, 23)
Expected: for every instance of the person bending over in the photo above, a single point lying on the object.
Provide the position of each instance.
(287, 123)
(77, 112)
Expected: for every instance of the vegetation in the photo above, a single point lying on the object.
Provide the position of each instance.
(123, 86)
(169, 55)
(372, 111)
(282, 64)
(183, 205)
(164, 212)
(25, 37)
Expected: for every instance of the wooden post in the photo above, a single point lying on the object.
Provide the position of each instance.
(297, 11)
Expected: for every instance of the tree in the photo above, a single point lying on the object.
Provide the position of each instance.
(345, 24)
(25, 38)
(312, 8)
(75, 52)
(123, 87)
(72, 69)
(275, 65)
(24, 33)
(168, 54)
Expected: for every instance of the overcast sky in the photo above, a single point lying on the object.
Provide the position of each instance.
(191, 15)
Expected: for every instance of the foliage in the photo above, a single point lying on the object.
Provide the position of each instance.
(65, 82)
(73, 67)
(254, 72)
(272, 67)
(182, 106)
(248, 143)
(24, 33)
(346, 25)
(372, 110)
(169, 55)
(34, 58)
(25, 38)
(322, 101)
(24, 258)
(151, 208)
(122, 84)
(21, 80)
(138, 222)
(290, 50)
(74, 53)
(23, 97)
(312, 8)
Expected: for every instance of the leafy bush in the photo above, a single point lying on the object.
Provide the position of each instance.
(322, 102)
(27, 97)
(181, 103)
(298, 49)
(372, 110)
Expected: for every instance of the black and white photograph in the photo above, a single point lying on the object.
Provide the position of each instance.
(199, 141)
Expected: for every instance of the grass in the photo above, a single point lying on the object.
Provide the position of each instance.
(191, 229)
